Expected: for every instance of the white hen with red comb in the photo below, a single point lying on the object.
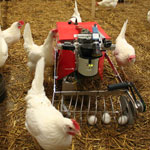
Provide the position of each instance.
(124, 52)
(44, 122)
(12, 34)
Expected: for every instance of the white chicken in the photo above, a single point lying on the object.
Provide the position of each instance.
(76, 15)
(35, 52)
(124, 52)
(12, 34)
(148, 16)
(43, 121)
(3, 49)
(108, 3)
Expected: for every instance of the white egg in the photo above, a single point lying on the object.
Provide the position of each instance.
(92, 120)
(122, 119)
(106, 118)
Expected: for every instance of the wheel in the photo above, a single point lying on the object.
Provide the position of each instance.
(133, 108)
(126, 107)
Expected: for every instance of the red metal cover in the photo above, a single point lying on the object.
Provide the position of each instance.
(66, 31)
(65, 63)
(101, 65)
(66, 58)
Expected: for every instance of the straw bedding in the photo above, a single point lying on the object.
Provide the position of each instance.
(42, 15)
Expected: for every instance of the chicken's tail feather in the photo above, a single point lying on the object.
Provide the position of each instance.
(76, 7)
(27, 36)
(76, 12)
(49, 39)
(49, 47)
(37, 83)
(123, 30)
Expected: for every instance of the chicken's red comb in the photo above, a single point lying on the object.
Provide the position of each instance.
(96, 3)
(21, 22)
(76, 124)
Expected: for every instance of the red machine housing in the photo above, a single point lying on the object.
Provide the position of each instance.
(66, 62)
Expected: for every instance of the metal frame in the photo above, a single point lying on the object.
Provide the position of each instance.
(99, 96)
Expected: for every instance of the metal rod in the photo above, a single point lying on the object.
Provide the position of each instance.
(62, 101)
(54, 85)
(112, 106)
(98, 92)
(131, 98)
(120, 106)
(89, 105)
(81, 109)
(113, 67)
(70, 102)
(104, 104)
(75, 105)
(96, 105)
(93, 111)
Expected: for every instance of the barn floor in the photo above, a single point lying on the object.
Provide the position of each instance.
(42, 15)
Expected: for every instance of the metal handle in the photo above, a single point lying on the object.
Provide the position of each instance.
(117, 86)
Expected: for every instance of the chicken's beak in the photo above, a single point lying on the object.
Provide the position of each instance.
(78, 133)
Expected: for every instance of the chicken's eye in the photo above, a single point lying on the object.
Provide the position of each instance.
(70, 128)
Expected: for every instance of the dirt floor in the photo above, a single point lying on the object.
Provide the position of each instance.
(42, 16)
